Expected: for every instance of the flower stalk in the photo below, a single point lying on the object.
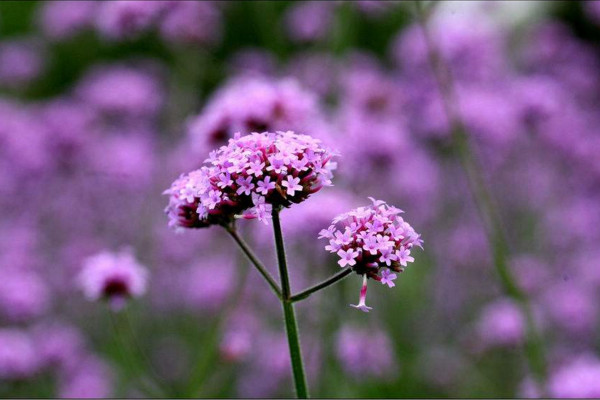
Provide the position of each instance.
(291, 327)
(483, 198)
(328, 282)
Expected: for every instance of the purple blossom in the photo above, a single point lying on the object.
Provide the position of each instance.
(113, 276)
(292, 185)
(366, 352)
(360, 231)
(501, 324)
(191, 22)
(254, 191)
(265, 186)
(60, 20)
(245, 185)
(18, 355)
(576, 378)
(254, 104)
(387, 278)
(347, 257)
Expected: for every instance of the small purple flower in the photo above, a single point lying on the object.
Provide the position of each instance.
(387, 278)
(224, 180)
(113, 276)
(265, 186)
(293, 185)
(245, 184)
(347, 257)
(370, 244)
(18, 355)
(256, 168)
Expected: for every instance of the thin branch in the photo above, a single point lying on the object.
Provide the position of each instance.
(255, 261)
(305, 293)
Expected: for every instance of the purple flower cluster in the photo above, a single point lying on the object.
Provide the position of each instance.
(253, 104)
(113, 276)
(248, 177)
(180, 22)
(374, 241)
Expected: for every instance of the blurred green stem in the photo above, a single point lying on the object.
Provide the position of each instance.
(126, 343)
(291, 327)
(483, 198)
(200, 372)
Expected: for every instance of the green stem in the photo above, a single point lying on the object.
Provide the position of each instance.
(203, 368)
(291, 327)
(125, 349)
(483, 198)
(255, 261)
(307, 292)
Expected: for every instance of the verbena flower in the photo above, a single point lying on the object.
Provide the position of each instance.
(253, 104)
(113, 276)
(249, 176)
(18, 356)
(373, 241)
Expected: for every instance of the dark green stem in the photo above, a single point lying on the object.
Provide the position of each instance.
(255, 261)
(483, 198)
(305, 293)
(291, 327)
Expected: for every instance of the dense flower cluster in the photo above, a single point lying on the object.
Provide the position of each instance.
(180, 22)
(248, 177)
(113, 276)
(374, 241)
(253, 104)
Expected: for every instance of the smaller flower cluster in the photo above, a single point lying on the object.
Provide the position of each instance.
(114, 277)
(374, 241)
(248, 177)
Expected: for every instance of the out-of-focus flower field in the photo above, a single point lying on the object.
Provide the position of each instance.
(104, 104)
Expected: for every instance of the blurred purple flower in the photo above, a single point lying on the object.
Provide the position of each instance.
(191, 22)
(121, 90)
(18, 355)
(61, 20)
(21, 62)
(253, 104)
(91, 379)
(366, 353)
(577, 378)
(126, 19)
(113, 276)
(23, 295)
(309, 20)
(501, 324)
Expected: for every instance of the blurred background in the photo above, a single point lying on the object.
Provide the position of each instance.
(104, 104)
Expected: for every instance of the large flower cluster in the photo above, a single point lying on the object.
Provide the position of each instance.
(374, 241)
(249, 176)
(253, 104)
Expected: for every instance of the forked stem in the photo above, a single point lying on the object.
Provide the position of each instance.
(255, 261)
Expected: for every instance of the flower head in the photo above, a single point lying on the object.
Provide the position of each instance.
(253, 104)
(248, 177)
(113, 276)
(374, 241)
